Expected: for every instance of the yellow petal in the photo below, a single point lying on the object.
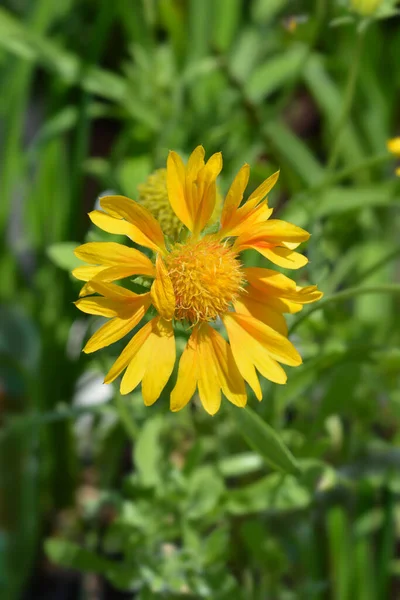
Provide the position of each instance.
(129, 352)
(162, 291)
(206, 191)
(110, 274)
(136, 368)
(117, 328)
(261, 311)
(239, 343)
(283, 257)
(228, 374)
(277, 345)
(275, 302)
(100, 306)
(176, 189)
(249, 352)
(246, 218)
(269, 281)
(146, 229)
(306, 295)
(187, 377)
(115, 292)
(113, 225)
(87, 272)
(208, 383)
(264, 189)
(111, 253)
(275, 231)
(235, 195)
(162, 361)
(397, 171)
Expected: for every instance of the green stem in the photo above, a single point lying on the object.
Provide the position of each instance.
(125, 417)
(345, 295)
(348, 100)
(20, 423)
(376, 266)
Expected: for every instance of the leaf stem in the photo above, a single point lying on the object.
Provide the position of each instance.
(348, 99)
(345, 295)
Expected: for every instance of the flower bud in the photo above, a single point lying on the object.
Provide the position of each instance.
(366, 8)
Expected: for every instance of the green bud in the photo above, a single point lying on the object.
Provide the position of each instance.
(366, 8)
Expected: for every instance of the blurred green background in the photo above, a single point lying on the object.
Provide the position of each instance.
(102, 498)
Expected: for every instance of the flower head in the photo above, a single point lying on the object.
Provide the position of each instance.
(199, 280)
(393, 146)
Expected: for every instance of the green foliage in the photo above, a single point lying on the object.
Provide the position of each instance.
(293, 497)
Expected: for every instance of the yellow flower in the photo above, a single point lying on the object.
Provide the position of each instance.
(365, 8)
(393, 146)
(153, 195)
(199, 281)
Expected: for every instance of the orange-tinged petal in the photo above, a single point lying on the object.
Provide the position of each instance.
(228, 374)
(117, 328)
(246, 218)
(277, 345)
(261, 311)
(146, 229)
(186, 380)
(274, 231)
(162, 291)
(130, 351)
(250, 353)
(161, 363)
(235, 195)
(176, 189)
(264, 189)
(111, 253)
(116, 226)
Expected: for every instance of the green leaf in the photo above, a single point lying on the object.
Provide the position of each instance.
(227, 14)
(274, 493)
(62, 255)
(205, 489)
(295, 152)
(264, 440)
(275, 73)
(70, 555)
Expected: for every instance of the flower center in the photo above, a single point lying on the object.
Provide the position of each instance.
(207, 277)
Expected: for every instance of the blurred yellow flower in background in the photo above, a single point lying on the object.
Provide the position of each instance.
(197, 280)
(393, 146)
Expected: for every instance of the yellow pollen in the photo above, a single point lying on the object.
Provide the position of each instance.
(207, 278)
